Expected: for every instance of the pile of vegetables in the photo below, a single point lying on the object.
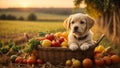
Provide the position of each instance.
(102, 56)
(28, 53)
(9, 49)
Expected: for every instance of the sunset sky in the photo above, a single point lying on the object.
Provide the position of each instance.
(36, 3)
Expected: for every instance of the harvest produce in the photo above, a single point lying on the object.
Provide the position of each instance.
(19, 59)
(99, 49)
(105, 56)
(58, 39)
(46, 43)
(58, 34)
(87, 63)
(31, 60)
(55, 43)
(73, 62)
(30, 53)
(98, 55)
(13, 57)
(50, 36)
(107, 60)
(68, 63)
(65, 35)
(39, 61)
(99, 61)
(61, 39)
(24, 61)
(9, 49)
(31, 45)
(76, 64)
(115, 59)
(64, 44)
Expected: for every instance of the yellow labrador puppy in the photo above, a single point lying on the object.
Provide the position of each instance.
(80, 36)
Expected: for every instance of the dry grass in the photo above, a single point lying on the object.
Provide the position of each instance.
(16, 29)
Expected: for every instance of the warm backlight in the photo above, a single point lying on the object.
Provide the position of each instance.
(24, 5)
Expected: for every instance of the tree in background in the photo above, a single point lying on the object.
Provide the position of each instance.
(108, 16)
(32, 17)
(21, 18)
(10, 17)
(3, 17)
(7, 17)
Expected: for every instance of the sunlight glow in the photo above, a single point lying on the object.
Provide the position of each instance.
(83, 5)
(36, 3)
(24, 4)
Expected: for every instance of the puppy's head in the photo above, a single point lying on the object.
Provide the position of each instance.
(79, 23)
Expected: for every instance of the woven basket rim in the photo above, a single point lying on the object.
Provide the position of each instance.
(67, 49)
(63, 49)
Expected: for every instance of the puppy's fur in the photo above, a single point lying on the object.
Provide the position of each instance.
(80, 35)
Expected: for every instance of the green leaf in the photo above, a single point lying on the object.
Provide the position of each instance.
(11, 43)
(31, 45)
(42, 34)
(5, 49)
(1, 44)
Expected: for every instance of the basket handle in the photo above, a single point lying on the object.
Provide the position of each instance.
(99, 40)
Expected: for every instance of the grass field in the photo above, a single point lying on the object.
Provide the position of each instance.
(13, 29)
(16, 29)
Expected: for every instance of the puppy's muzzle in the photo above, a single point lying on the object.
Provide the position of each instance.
(75, 29)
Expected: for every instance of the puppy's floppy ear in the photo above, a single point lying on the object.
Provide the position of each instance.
(67, 22)
(90, 22)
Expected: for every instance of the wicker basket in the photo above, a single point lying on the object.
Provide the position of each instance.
(58, 55)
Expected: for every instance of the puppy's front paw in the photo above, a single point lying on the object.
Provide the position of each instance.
(73, 47)
(84, 47)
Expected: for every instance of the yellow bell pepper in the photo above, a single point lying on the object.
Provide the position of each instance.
(99, 49)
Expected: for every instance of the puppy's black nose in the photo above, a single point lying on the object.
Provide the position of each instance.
(76, 28)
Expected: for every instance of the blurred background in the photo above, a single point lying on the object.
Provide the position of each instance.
(33, 16)
(27, 16)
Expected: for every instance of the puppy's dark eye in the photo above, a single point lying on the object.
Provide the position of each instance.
(72, 22)
(82, 22)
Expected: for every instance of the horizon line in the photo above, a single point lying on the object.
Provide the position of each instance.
(33, 7)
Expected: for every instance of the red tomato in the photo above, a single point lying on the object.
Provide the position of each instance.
(107, 60)
(112, 53)
(50, 37)
(61, 39)
(24, 61)
(31, 60)
(18, 59)
(98, 55)
(99, 61)
(55, 44)
(39, 61)
(87, 63)
(115, 59)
